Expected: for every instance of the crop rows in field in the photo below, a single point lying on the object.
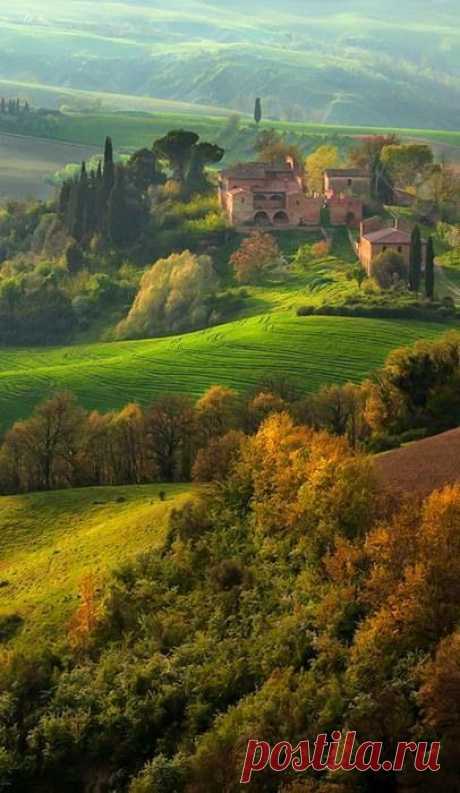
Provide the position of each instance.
(310, 350)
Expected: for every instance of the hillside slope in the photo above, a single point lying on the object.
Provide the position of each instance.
(49, 543)
(369, 63)
(311, 350)
(423, 466)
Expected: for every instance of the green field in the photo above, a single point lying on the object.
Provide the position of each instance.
(134, 129)
(54, 96)
(311, 350)
(26, 164)
(35, 153)
(50, 541)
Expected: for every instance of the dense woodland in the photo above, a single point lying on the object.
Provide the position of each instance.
(292, 598)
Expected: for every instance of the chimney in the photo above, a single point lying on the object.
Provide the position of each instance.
(396, 223)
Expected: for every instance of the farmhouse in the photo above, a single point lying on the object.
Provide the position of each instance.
(267, 194)
(375, 240)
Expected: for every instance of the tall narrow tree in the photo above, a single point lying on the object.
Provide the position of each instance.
(415, 261)
(258, 111)
(429, 269)
(64, 197)
(117, 221)
(109, 167)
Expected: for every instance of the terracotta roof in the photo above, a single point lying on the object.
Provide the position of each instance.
(389, 235)
(346, 172)
(421, 467)
(257, 170)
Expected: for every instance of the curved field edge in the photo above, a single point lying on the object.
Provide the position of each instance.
(309, 350)
(49, 542)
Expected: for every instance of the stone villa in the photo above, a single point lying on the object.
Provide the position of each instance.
(267, 194)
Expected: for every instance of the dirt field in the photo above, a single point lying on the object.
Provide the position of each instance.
(421, 467)
(25, 163)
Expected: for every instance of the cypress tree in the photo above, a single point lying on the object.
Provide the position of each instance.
(258, 111)
(78, 206)
(109, 168)
(64, 197)
(429, 270)
(72, 209)
(415, 261)
(91, 220)
(117, 222)
(83, 191)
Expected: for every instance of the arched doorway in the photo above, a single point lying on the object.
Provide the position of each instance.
(261, 219)
(280, 219)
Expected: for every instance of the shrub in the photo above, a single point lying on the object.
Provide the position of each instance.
(172, 297)
(389, 268)
(213, 221)
(321, 249)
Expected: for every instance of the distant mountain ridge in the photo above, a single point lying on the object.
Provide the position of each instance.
(338, 62)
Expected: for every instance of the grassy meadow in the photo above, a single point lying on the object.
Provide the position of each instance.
(46, 144)
(49, 542)
(265, 337)
(311, 350)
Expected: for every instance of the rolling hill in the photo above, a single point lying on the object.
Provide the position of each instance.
(362, 63)
(429, 464)
(49, 542)
(310, 350)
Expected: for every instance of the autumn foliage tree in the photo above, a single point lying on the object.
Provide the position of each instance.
(257, 256)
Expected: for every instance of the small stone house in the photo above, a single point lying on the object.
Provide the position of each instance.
(376, 240)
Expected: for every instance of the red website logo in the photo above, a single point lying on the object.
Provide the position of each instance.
(339, 753)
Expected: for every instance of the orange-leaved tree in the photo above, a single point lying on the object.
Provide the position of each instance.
(257, 256)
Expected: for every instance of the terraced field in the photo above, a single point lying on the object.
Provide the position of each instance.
(311, 350)
(49, 542)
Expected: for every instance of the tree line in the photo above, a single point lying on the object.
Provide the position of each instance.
(14, 106)
(416, 393)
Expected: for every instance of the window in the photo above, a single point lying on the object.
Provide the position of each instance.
(350, 182)
(400, 250)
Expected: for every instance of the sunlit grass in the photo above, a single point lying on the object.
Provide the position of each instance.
(50, 541)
